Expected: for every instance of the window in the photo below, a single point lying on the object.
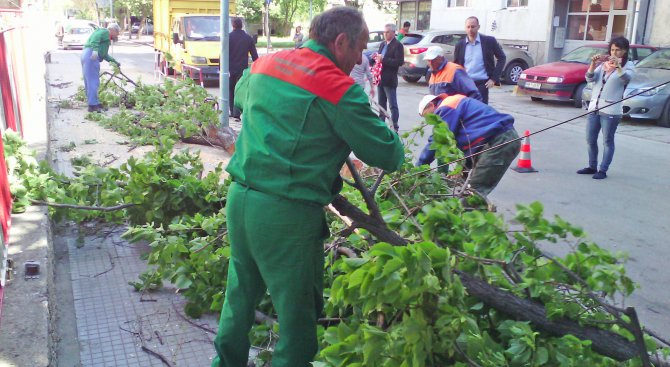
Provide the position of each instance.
(423, 22)
(597, 20)
(516, 3)
(408, 13)
(642, 52)
(463, 3)
(448, 39)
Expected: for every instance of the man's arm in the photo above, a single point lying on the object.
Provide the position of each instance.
(459, 56)
(367, 136)
(465, 85)
(500, 57)
(395, 56)
(252, 49)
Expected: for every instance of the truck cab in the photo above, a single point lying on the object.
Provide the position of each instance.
(196, 44)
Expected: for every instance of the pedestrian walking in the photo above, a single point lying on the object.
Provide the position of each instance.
(610, 75)
(448, 77)
(302, 116)
(476, 126)
(95, 50)
(391, 56)
(241, 45)
(361, 72)
(482, 57)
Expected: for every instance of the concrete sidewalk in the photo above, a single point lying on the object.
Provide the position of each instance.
(82, 311)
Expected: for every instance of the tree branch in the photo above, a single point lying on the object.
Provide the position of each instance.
(82, 207)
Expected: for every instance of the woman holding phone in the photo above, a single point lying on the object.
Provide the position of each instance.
(610, 75)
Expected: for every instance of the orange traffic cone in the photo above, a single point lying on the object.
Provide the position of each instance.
(524, 164)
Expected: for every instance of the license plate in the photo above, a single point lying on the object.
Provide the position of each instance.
(531, 85)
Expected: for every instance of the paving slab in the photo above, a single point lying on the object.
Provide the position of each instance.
(102, 320)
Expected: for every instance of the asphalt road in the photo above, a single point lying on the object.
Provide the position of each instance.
(629, 211)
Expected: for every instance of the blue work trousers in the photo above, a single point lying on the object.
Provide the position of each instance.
(91, 70)
(608, 125)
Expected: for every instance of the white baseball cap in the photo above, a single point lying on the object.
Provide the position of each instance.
(424, 102)
(433, 52)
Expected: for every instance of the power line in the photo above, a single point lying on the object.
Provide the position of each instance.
(521, 137)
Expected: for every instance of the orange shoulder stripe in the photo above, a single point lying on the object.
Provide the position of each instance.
(451, 101)
(308, 70)
(446, 75)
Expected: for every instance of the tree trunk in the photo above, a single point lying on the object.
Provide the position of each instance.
(604, 342)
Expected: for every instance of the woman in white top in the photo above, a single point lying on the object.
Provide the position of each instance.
(610, 75)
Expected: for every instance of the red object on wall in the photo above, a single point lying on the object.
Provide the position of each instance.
(5, 85)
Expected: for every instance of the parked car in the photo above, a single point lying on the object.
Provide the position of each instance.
(76, 34)
(148, 28)
(376, 39)
(417, 43)
(565, 80)
(654, 102)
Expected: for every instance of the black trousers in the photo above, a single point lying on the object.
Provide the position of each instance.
(481, 86)
(234, 78)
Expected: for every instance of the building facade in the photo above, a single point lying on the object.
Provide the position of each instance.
(547, 29)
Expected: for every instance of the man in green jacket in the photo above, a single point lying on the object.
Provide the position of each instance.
(95, 50)
(302, 117)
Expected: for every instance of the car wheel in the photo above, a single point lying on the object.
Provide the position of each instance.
(513, 72)
(664, 119)
(535, 99)
(411, 79)
(578, 95)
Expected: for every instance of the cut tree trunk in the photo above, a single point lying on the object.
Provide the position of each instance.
(603, 342)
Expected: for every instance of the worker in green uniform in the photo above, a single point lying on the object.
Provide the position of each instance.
(95, 50)
(302, 115)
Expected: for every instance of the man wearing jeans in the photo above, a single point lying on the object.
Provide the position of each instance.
(391, 55)
(95, 50)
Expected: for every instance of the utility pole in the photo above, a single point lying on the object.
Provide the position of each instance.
(267, 24)
(224, 66)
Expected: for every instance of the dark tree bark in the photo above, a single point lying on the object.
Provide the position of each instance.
(604, 342)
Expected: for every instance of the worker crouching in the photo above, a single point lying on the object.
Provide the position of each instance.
(476, 127)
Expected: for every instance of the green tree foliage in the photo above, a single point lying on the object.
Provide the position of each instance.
(385, 306)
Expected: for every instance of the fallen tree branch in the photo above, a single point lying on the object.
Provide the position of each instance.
(82, 207)
(604, 342)
(362, 220)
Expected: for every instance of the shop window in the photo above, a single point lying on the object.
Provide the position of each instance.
(464, 3)
(423, 22)
(408, 13)
(516, 3)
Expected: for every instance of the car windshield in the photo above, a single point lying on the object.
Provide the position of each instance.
(411, 39)
(657, 60)
(206, 28)
(583, 55)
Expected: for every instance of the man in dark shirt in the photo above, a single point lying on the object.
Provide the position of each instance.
(241, 45)
(391, 55)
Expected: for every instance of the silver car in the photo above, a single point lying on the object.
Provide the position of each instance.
(654, 102)
(416, 43)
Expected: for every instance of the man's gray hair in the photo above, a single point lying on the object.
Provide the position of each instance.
(328, 25)
(114, 27)
(391, 26)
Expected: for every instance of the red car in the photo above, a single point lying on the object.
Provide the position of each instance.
(564, 80)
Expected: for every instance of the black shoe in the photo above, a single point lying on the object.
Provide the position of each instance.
(587, 171)
(95, 108)
(600, 175)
